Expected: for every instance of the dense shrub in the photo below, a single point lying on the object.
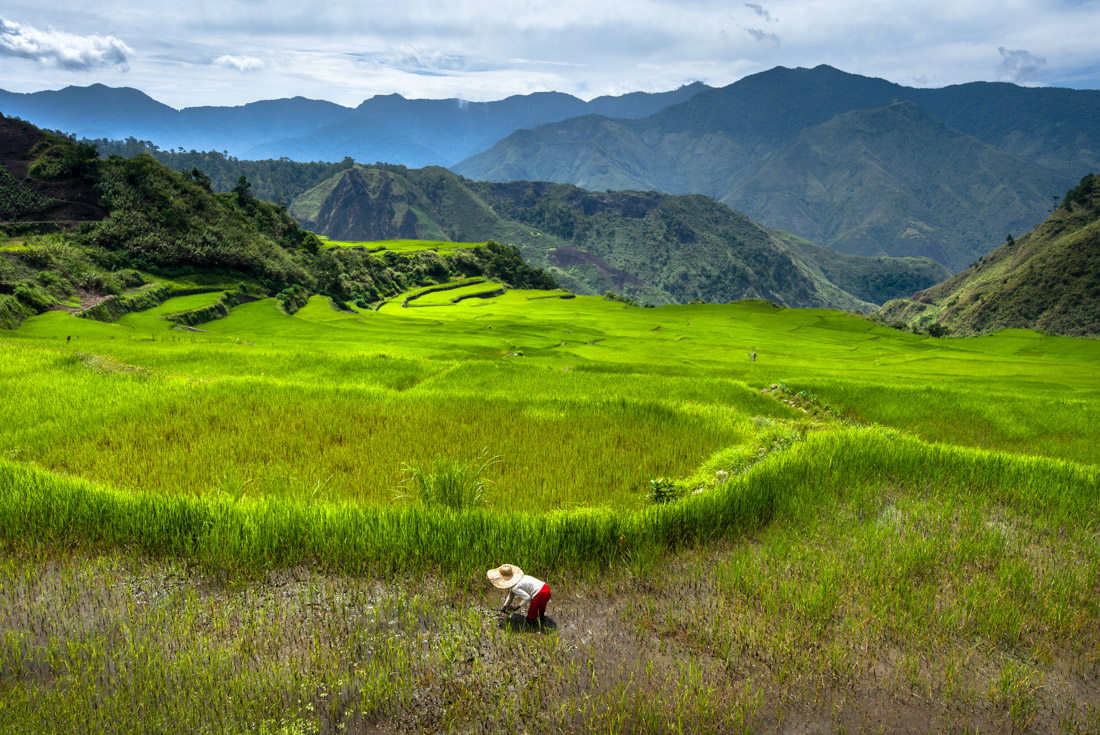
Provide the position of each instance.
(292, 298)
(13, 312)
(34, 297)
(58, 159)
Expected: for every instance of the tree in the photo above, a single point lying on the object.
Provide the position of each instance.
(937, 330)
(311, 243)
(199, 177)
(243, 189)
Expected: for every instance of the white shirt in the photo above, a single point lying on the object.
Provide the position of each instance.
(525, 589)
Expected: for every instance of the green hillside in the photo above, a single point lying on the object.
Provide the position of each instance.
(874, 279)
(1048, 279)
(592, 152)
(103, 237)
(651, 247)
(689, 247)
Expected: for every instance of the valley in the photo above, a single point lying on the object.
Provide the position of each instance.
(256, 453)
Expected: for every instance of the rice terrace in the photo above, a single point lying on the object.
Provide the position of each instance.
(861, 523)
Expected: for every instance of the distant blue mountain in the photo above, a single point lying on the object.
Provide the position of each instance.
(386, 128)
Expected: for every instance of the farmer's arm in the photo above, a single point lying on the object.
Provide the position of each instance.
(520, 596)
(508, 601)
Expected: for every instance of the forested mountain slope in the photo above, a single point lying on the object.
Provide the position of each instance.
(653, 247)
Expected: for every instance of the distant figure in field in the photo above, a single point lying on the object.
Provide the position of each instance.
(752, 355)
(523, 589)
(69, 338)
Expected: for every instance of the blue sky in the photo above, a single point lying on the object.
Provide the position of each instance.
(228, 52)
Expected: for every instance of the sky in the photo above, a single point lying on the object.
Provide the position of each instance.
(230, 52)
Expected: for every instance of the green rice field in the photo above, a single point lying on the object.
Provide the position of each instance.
(401, 246)
(221, 529)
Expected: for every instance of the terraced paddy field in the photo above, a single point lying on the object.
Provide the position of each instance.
(401, 246)
(859, 529)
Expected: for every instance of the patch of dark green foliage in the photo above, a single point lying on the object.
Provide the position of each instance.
(273, 180)
(1083, 195)
(16, 199)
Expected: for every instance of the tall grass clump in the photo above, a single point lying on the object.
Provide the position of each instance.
(448, 482)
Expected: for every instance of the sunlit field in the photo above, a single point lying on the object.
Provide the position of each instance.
(400, 246)
(855, 518)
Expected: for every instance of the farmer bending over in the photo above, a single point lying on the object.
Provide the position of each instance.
(523, 589)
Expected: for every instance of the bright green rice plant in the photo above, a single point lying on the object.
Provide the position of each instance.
(457, 484)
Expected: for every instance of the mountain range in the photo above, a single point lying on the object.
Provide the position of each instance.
(652, 247)
(862, 165)
(386, 128)
(116, 221)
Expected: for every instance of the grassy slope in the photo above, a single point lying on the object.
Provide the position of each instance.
(1047, 279)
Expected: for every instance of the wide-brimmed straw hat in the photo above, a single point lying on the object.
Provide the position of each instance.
(504, 576)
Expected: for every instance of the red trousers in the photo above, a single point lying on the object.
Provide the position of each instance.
(537, 608)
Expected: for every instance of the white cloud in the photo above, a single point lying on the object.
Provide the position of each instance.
(60, 49)
(348, 50)
(1019, 65)
(413, 58)
(240, 63)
